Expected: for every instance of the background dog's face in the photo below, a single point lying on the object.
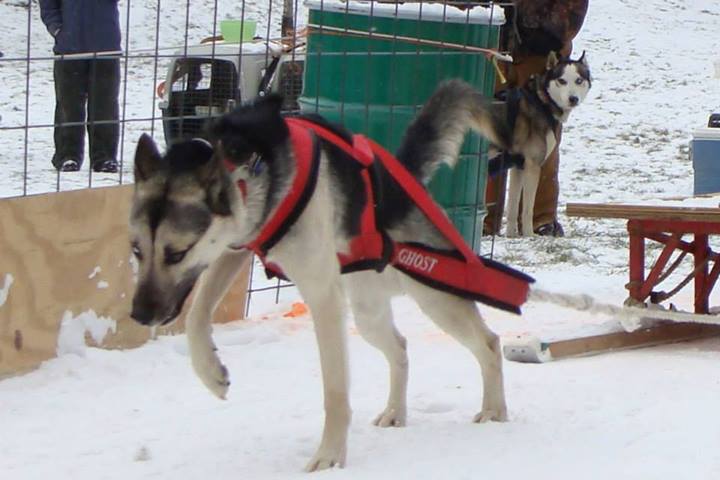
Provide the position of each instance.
(179, 224)
(567, 81)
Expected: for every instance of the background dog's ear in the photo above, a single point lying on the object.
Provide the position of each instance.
(552, 60)
(582, 59)
(148, 161)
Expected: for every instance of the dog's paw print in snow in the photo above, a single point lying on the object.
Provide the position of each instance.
(142, 455)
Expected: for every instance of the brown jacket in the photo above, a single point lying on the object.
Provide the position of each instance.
(536, 27)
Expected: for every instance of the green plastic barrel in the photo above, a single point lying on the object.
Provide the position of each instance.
(375, 85)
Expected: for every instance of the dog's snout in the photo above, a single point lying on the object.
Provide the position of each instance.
(142, 316)
(143, 310)
(573, 100)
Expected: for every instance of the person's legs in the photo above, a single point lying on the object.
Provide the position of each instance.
(103, 107)
(495, 203)
(70, 95)
(546, 200)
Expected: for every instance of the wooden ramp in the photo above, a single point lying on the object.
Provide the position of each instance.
(65, 254)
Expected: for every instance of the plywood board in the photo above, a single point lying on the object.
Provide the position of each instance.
(530, 349)
(65, 254)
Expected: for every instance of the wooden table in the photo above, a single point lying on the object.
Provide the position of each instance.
(667, 225)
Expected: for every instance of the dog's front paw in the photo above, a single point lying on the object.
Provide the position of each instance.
(491, 415)
(391, 417)
(211, 371)
(327, 458)
(512, 231)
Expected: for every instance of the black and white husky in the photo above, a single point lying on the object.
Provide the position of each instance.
(189, 216)
(526, 126)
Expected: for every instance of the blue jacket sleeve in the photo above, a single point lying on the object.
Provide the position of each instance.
(51, 15)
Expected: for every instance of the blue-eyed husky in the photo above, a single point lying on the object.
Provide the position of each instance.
(531, 115)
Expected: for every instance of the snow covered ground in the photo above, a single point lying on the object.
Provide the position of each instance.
(645, 414)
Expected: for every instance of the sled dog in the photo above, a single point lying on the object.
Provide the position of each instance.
(191, 215)
(526, 128)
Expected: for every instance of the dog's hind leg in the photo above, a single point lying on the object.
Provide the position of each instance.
(371, 308)
(461, 319)
(212, 287)
(515, 190)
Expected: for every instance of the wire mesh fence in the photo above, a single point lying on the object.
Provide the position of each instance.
(367, 64)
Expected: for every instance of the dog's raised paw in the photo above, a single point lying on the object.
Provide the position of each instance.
(391, 417)
(213, 374)
(491, 416)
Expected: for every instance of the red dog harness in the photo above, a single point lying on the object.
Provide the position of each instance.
(458, 271)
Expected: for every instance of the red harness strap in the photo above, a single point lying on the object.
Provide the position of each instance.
(458, 271)
(291, 206)
(303, 144)
(485, 280)
(370, 248)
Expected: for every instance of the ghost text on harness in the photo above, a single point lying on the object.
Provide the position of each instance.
(416, 260)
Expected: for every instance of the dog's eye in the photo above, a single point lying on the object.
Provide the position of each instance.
(562, 81)
(136, 251)
(172, 258)
(579, 81)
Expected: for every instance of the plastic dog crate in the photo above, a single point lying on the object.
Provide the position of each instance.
(207, 80)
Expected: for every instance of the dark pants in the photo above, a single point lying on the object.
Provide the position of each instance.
(90, 86)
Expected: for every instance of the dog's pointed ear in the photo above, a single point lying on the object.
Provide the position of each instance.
(552, 60)
(207, 165)
(218, 196)
(212, 177)
(582, 59)
(148, 160)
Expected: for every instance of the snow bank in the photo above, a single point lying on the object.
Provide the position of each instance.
(71, 338)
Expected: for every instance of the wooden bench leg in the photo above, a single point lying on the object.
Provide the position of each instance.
(701, 273)
(636, 261)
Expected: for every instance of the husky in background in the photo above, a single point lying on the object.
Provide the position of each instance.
(525, 129)
(190, 215)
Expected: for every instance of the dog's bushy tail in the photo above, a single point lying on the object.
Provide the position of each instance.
(437, 133)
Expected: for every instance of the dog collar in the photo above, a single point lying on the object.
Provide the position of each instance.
(255, 167)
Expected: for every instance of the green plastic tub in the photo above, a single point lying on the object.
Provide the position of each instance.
(376, 85)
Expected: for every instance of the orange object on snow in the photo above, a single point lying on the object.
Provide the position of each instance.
(298, 309)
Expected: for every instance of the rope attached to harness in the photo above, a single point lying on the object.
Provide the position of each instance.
(630, 317)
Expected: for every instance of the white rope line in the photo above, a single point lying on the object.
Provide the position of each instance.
(630, 317)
